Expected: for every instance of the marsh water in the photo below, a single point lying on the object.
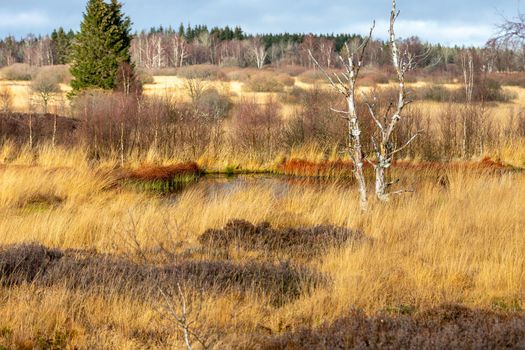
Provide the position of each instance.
(214, 185)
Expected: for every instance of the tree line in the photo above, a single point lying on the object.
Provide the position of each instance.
(160, 47)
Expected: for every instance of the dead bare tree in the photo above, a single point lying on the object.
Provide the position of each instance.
(345, 83)
(195, 86)
(511, 32)
(467, 65)
(258, 51)
(385, 149)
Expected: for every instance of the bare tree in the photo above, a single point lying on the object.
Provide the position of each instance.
(385, 149)
(45, 85)
(195, 86)
(511, 32)
(345, 83)
(258, 51)
(467, 65)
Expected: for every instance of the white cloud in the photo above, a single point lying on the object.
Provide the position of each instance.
(449, 33)
(22, 19)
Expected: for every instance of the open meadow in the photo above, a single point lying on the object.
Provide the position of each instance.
(207, 188)
(260, 246)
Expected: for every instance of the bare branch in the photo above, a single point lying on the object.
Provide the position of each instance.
(397, 150)
(402, 192)
(373, 115)
(339, 111)
(339, 87)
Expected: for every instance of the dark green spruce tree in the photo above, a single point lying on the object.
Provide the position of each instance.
(62, 45)
(101, 47)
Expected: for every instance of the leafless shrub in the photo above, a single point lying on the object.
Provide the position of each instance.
(195, 87)
(6, 99)
(212, 104)
(293, 71)
(178, 309)
(373, 77)
(15, 127)
(315, 121)
(46, 84)
(521, 124)
(242, 75)
(256, 126)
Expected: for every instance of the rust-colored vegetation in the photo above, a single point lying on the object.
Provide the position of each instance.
(164, 173)
(343, 168)
(301, 167)
(162, 178)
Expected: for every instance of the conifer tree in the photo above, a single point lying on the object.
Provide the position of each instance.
(101, 47)
(61, 45)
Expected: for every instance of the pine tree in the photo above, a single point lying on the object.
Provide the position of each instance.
(101, 46)
(61, 45)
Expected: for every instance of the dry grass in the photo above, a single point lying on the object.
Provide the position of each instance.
(455, 243)
(461, 244)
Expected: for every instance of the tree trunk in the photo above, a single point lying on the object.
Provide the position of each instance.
(122, 144)
(53, 140)
(381, 185)
(356, 153)
(31, 131)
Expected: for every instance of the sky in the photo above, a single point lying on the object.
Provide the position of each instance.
(451, 22)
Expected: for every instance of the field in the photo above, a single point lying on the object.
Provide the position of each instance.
(249, 241)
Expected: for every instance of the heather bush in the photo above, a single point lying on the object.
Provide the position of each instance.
(18, 71)
(509, 79)
(146, 77)
(446, 327)
(312, 77)
(205, 72)
(373, 77)
(93, 272)
(24, 262)
(305, 242)
(286, 80)
(241, 74)
(293, 71)
(212, 104)
(264, 82)
(488, 90)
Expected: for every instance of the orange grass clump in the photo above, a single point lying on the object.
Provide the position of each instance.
(164, 173)
(343, 168)
(300, 167)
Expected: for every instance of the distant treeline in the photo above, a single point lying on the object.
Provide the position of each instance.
(160, 48)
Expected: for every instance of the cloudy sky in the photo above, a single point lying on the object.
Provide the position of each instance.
(463, 22)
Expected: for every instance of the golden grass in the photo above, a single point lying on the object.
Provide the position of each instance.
(461, 245)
